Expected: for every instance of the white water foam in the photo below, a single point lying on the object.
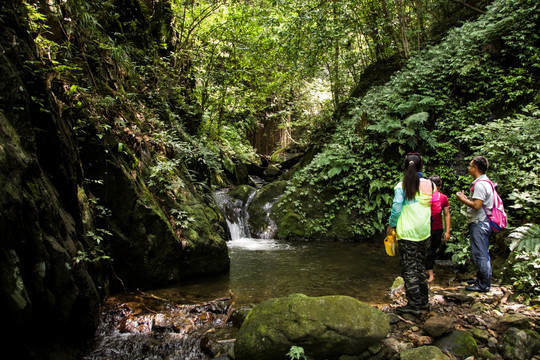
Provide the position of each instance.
(256, 244)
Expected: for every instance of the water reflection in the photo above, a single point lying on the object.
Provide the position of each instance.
(263, 269)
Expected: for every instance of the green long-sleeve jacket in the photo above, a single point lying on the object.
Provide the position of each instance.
(412, 218)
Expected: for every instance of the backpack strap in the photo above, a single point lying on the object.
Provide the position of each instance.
(494, 194)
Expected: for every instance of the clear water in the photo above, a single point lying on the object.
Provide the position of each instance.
(260, 269)
(266, 268)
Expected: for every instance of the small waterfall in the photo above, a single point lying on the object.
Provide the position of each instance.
(235, 213)
(271, 226)
(236, 216)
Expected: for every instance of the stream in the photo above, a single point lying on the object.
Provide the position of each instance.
(263, 269)
(175, 323)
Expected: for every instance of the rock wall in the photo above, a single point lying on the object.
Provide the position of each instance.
(50, 302)
(55, 264)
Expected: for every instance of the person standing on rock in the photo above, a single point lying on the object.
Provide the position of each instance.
(411, 220)
(478, 207)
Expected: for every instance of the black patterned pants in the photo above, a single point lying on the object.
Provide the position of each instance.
(412, 256)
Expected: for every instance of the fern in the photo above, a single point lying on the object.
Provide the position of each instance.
(296, 353)
(526, 238)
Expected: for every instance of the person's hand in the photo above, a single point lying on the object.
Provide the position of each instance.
(461, 196)
(447, 236)
(389, 230)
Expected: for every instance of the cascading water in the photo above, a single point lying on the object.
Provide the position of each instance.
(235, 213)
(236, 216)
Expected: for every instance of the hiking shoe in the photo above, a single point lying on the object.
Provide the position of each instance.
(471, 281)
(475, 288)
(409, 310)
(424, 307)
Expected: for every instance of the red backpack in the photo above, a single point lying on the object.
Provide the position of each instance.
(497, 219)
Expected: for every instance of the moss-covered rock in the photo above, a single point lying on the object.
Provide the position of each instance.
(241, 192)
(297, 215)
(459, 343)
(305, 214)
(517, 344)
(325, 327)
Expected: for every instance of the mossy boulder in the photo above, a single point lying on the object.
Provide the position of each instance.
(458, 343)
(519, 344)
(297, 213)
(305, 214)
(241, 192)
(325, 327)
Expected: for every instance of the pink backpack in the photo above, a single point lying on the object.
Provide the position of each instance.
(436, 207)
(497, 219)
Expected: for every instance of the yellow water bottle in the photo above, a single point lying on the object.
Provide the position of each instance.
(390, 244)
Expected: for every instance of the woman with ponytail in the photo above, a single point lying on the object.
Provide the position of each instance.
(411, 220)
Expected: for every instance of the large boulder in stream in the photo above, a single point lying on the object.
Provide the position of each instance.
(326, 327)
(306, 214)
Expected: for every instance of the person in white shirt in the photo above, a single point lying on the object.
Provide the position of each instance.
(478, 206)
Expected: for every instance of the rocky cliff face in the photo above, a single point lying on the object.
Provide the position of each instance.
(44, 294)
(58, 255)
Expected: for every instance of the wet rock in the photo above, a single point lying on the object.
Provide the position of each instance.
(492, 344)
(517, 344)
(479, 308)
(393, 318)
(519, 321)
(480, 335)
(459, 343)
(437, 325)
(326, 327)
(485, 354)
(419, 340)
(272, 172)
(457, 298)
(423, 353)
(241, 192)
(218, 343)
(239, 315)
(392, 346)
(260, 223)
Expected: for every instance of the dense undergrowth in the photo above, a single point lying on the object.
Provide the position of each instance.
(477, 92)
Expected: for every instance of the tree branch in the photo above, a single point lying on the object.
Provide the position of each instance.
(470, 6)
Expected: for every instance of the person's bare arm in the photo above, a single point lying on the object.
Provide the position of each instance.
(476, 204)
(446, 224)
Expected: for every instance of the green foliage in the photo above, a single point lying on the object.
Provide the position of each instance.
(296, 353)
(444, 104)
(523, 267)
(96, 253)
(163, 176)
(182, 218)
(93, 212)
(346, 178)
(512, 145)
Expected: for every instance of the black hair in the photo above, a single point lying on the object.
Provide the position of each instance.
(481, 163)
(411, 180)
(436, 179)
